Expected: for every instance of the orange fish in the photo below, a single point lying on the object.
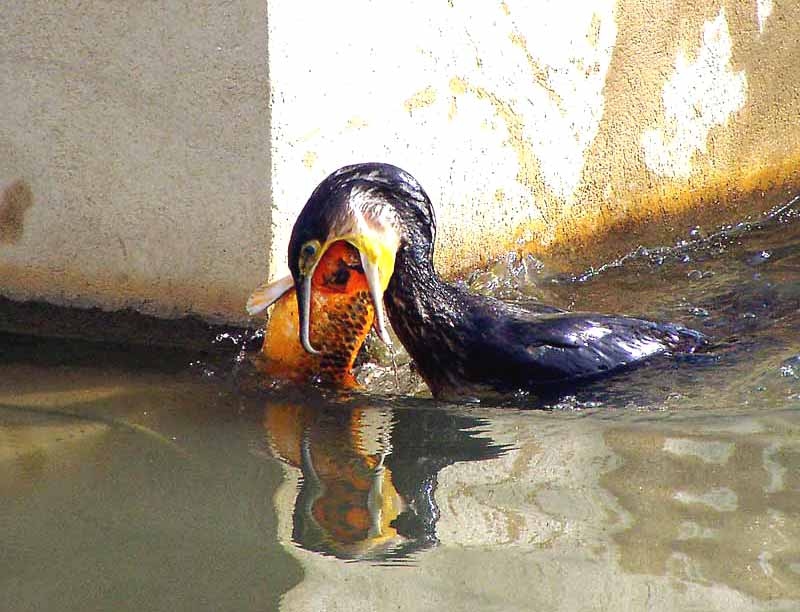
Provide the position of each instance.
(341, 316)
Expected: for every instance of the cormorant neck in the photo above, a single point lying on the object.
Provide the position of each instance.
(415, 277)
(428, 315)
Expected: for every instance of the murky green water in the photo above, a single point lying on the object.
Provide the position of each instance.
(144, 480)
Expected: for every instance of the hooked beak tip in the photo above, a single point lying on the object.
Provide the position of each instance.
(380, 327)
(307, 346)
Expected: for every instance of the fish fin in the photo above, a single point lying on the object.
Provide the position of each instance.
(267, 294)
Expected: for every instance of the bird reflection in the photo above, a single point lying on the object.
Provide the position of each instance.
(369, 474)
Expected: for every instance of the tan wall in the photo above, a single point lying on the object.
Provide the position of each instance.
(745, 159)
(145, 161)
(134, 153)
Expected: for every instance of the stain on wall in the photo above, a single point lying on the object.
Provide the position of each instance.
(16, 197)
(733, 159)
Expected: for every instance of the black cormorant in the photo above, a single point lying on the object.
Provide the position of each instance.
(463, 344)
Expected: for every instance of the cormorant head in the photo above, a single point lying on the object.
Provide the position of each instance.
(374, 207)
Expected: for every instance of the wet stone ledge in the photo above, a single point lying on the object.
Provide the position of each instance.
(124, 327)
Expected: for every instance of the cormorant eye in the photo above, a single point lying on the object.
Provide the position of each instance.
(308, 255)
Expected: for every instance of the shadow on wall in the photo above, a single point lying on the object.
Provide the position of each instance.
(15, 198)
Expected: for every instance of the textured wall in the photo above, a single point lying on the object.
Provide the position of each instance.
(146, 159)
(540, 124)
(134, 153)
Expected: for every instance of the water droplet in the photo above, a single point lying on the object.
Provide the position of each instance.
(790, 368)
(759, 258)
(226, 337)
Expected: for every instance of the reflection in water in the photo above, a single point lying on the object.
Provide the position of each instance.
(125, 489)
(643, 511)
(369, 474)
(711, 506)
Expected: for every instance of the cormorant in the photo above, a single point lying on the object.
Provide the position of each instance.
(463, 344)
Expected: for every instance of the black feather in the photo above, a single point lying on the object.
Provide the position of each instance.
(465, 344)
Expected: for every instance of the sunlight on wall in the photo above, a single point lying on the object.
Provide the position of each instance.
(699, 96)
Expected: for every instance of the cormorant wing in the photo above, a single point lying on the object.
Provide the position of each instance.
(529, 349)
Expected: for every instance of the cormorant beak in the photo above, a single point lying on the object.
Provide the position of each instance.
(377, 252)
(377, 249)
(304, 304)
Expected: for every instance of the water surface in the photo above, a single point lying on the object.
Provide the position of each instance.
(148, 479)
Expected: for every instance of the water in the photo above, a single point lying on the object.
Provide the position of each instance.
(159, 480)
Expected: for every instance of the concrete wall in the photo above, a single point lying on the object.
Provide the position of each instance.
(134, 151)
(539, 124)
(149, 161)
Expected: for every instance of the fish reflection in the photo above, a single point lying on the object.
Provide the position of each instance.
(369, 474)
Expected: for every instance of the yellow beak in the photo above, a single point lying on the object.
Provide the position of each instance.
(377, 251)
